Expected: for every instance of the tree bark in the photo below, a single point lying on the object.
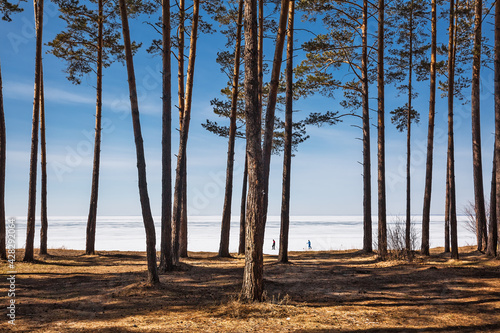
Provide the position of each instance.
(226, 213)
(43, 161)
(476, 131)
(141, 162)
(382, 213)
(253, 273)
(271, 102)
(166, 145)
(30, 228)
(91, 221)
(451, 151)
(408, 140)
(241, 248)
(367, 191)
(181, 157)
(3, 147)
(430, 137)
(287, 155)
(493, 222)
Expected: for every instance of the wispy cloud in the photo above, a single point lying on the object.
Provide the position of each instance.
(23, 91)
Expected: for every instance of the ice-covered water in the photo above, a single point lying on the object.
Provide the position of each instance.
(126, 233)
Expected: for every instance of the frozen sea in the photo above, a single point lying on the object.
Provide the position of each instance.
(126, 233)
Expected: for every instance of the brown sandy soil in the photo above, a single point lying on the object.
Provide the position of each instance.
(339, 291)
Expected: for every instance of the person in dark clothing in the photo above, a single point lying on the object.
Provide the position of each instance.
(274, 245)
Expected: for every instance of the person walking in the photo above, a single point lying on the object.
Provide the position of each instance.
(309, 247)
(274, 245)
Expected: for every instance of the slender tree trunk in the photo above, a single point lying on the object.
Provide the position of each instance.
(408, 140)
(141, 162)
(166, 145)
(493, 223)
(181, 157)
(476, 131)
(30, 229)
(287, 155)
(91, 221)
(226, 214)
(430, 137)
(183, 231)
(271, 102)
(181, 93)
(43, 159)
(447, 211)
(451, 151)
(253, 273)
(183, 236)
(497, 112)
(382, 213)
(3, 147)
(367, 190)
(241, 248)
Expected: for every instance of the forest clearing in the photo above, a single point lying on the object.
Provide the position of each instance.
(341, 291)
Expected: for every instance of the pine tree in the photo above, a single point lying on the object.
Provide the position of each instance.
(382, 213)
(30, 224)
(166, 261)
(346, 24)
(226, 216)
(141, 162)
(90, 43)
(477, 165)
(180, 176)
(430, 135)
(253, 273)
(408, 18)
(287, 155)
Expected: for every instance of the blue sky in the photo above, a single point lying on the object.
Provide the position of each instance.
(326, 175)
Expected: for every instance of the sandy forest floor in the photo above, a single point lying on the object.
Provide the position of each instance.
(340, 291)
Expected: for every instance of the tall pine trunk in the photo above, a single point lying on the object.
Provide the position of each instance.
(91, 221)
(166, 145)
(30, 228)
(451, 144)
(493, 222)
(44, 223)
(287, 155)
(367, 191)
(408, 139)
(226, 213)
(430, 136)
(271, 102)
(241, 247)
(253, 273)
(181, 95)
(476, 131)
(382, 213)
(447, 211)
(141, 162)
(3, 147)
(180, 176)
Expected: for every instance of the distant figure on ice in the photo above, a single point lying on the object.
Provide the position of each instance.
(274, 245)
(309, 247)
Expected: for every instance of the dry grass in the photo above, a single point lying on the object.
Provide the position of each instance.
(341, 291)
